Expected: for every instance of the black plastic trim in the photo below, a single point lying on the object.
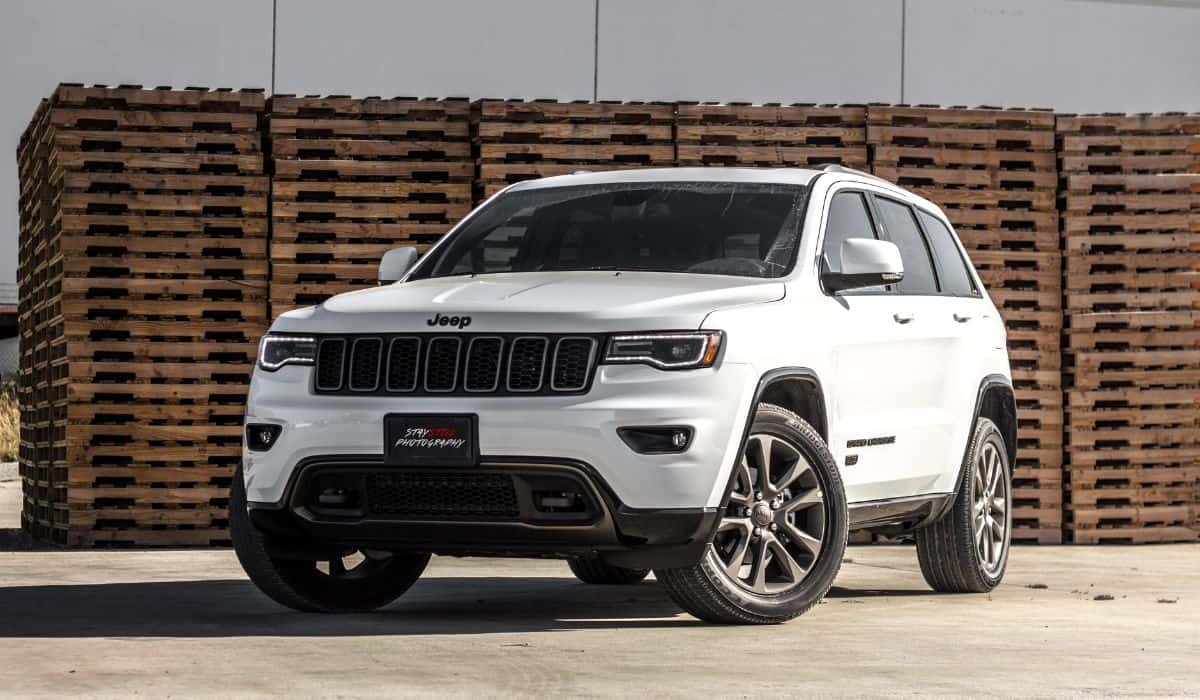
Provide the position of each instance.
(632, 537)
(768, 378)
(909, 511)
(986, 384)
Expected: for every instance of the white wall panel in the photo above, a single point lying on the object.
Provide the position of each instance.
(436, 48)
(750, 50)
(214, 43)
(1070, 55)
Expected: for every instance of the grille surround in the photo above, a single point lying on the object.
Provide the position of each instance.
(404, 362)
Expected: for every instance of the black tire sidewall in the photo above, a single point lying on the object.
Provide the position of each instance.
(783, 424)
(298, 585)
(985, 431)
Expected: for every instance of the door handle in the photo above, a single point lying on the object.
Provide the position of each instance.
(961, 318)
(903, 317)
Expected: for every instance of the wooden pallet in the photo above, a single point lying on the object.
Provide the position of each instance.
(1128, 144)
(515, 140)
(1133, 438)
(770, 135)
(144, 268)
(991, 170)
(1128, 239)
(355, 178)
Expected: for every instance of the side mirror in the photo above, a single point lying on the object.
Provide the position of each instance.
(866, 262)
(396, 263)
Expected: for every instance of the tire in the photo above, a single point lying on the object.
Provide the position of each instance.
(358, 582)
(953, 555)
(798, 516)
(599, 572)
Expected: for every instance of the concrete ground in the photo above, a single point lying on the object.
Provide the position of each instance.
(1068, 621)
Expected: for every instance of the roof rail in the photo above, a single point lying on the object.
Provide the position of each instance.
(835, 168)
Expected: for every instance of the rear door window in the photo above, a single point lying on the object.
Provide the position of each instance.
(901, 227)
(951, 267)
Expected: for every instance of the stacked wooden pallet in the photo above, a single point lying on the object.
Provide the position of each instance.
(354, 178)
(1130, 232)
(517, 140)
(993, 172)
(771, 135)
(143, 284)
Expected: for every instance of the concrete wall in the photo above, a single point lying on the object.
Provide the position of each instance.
(1071, 55)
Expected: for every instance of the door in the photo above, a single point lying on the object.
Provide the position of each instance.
(877, 340)
(930, 362)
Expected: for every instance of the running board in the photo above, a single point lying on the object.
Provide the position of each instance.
(909, 512)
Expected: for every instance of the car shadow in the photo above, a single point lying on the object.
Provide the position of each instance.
(435, 605)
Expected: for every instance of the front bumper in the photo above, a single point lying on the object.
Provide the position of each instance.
(303, 526)
(577, 429)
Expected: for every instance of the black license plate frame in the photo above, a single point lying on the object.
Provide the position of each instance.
(431, 439)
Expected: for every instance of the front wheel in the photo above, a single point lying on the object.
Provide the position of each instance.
(782, 533)
(355, 581)
(966, 551)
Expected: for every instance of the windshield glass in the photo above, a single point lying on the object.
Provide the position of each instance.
(719, 228)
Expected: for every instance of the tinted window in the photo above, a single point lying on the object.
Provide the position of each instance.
(952, 269)
(902, 229)
(720, 228)
(848, 218)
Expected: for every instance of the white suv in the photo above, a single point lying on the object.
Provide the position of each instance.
(712, 373)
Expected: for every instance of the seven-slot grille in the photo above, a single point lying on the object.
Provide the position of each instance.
(461, 364)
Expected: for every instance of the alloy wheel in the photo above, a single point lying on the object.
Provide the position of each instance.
(991, 503)
(773, 528)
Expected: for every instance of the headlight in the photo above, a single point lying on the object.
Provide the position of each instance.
(665, 350)
(275, 351)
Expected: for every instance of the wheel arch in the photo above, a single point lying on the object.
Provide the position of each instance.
(799, 390)
(997, 402)
(795, 387)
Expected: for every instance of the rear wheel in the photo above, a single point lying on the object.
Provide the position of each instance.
(966, 551)
(782, 534)
(600, 572)
(349, 580)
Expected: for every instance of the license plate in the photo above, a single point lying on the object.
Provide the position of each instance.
(431, 440)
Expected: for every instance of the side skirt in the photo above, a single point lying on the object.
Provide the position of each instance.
(907, 513)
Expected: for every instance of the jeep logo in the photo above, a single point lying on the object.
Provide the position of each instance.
(459, 322)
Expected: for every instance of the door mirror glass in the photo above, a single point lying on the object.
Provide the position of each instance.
(866, 262)
(396, 263)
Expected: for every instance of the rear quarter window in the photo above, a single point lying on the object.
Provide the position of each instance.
(952, 268)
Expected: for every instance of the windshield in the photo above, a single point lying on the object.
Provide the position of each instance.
(719, 228)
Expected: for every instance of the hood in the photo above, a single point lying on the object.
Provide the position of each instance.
(545, 302)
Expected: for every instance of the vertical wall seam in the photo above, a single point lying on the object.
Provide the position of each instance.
(274, 34)
(903, 42)
(596, 53)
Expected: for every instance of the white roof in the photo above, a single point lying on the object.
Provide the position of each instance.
(780, 176)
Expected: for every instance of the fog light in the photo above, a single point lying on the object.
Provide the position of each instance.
(261, 437)
(664, 440)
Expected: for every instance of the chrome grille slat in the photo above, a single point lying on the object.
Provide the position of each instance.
(404, 364)
(573, 357)
(485, 355)
(459, 364)
(527, 363)
(332, 353)
(364, 364)
(441, 364)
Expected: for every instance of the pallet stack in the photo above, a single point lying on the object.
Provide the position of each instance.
(514, 140)
(771, 135)
(143, 285)
(354, 178)
(38, 304)
(1130, 228)
(993, 172)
